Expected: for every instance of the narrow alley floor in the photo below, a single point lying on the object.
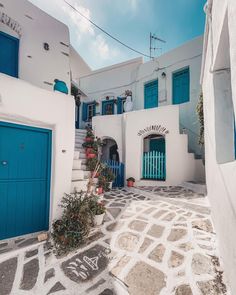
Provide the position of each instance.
(153, 241)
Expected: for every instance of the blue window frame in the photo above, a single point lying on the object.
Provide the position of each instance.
(108, 107)
(151, 95)
(88, 111)
(120, 105)
(9, 54)
(181, 86)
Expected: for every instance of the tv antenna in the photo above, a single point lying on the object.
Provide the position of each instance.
(154, 41)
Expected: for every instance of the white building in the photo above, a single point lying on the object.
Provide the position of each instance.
(153, 84)
(37, 125)
(165, 92)
(219, 91)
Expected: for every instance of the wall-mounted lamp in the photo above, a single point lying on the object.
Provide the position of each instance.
(46, 46)
(163, 75)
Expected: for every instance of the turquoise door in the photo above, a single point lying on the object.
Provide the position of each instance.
(181, 86)
(9, 47)
(25, 161)
(151, 95)
(157, 145)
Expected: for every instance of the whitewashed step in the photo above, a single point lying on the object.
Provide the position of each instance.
(80, 174)
(79, 185)
(79, 146)
(79, 140)
(80, 131)
(76, 155)
(77, 164)
(82, 154)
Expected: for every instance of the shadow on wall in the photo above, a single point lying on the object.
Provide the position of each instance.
(110, 150)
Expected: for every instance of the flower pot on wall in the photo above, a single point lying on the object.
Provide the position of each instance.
(98, 219)
(130, 183)
(100, 190)
(88, 139)
(89, 150)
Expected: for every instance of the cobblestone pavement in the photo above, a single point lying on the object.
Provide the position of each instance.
(152, 242)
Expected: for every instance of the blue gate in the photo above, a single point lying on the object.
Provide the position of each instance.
(25, 162)
(118, 170)
(154, 165)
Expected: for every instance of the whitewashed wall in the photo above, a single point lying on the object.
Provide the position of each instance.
(181, 165)
(132, 75)
(35, 64)
(36, 107)
(216, 90)
(78, 66)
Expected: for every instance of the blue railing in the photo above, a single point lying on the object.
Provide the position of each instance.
(118, 170)
(154, 165)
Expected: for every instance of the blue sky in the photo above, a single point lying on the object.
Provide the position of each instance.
(131, 21)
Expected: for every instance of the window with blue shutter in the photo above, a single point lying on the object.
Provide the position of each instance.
(181, 86)
(108, 107)
(88, 111)
(120, 104)
(9, 51)
(151, 95)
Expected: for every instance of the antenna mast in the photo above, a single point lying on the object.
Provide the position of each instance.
(154, 40)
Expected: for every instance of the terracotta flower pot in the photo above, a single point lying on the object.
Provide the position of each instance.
(89, 150)
(99, 190)
(91, 156)
(88, 139)
(98, 219)
(130, 183)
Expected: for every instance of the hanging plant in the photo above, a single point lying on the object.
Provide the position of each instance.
(200, 114)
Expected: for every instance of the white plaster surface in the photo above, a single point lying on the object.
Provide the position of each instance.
(26, 104)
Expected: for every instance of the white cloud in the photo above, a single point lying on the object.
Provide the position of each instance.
(86, 33)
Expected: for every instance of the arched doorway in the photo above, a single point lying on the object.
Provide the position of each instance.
(154, 157)
(110, 150)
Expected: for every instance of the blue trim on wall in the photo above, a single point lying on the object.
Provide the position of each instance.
(9, 64)
(181, 86)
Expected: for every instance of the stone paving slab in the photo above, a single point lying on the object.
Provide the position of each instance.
(149, 244)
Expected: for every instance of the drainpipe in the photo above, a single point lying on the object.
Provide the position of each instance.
(208, 30)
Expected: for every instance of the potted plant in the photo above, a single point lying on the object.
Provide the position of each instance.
(90, 136)
(130, 181)
(102, 184)
(109, 175)
(99, 211)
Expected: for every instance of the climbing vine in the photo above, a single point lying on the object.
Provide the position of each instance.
(200, 114)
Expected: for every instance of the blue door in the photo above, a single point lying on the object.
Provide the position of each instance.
(151, 95)
(9, 50)
(25, 161)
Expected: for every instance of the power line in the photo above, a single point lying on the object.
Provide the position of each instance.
(105, 32)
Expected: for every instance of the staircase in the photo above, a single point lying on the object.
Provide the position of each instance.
(80, 175)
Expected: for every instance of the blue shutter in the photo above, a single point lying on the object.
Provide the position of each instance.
(9, 50)
(181, 86)
(94, 109)
(151, 95)
(106, 102)
(119, 105)
(85, 112)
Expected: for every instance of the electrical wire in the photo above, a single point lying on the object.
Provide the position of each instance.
(105, 32)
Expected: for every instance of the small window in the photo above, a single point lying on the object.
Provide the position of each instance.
(108, 107)
(181, 86)
(90, 112)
